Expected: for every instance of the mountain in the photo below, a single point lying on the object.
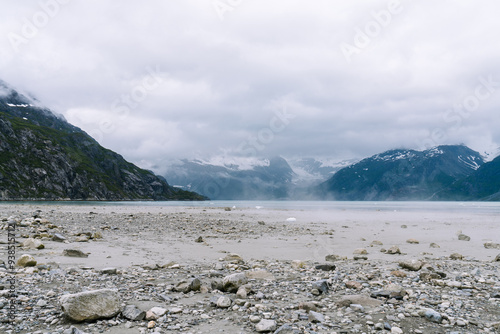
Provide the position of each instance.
(44, 157)
(311, 171)
(234, 179)
(402, 174)
(483, 184)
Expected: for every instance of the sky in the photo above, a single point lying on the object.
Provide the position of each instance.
(162, 80)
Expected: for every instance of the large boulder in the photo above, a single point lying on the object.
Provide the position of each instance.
(233, 282)
(91, 305)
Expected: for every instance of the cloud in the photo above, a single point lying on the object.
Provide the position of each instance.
(223, 80)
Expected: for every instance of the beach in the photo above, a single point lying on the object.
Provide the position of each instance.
(150, 253)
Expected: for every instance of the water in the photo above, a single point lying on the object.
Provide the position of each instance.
(476, 207)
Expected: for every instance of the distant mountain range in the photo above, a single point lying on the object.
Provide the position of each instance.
(449, 172)
(43, 157)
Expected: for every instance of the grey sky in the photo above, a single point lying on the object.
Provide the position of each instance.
(160, 80)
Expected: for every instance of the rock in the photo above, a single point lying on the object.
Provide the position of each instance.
(199, 239)
(412, 241)
(393, 250)
(332, 258)
(91, 305)
(298, 264)
(456, 256)
(376, 243)
(396, 330)
(260, 275)
(427, 276)
(155, 313)
(287, 329)
(109, 271)
(354, 285)
(193, 284)
(96, 236)
(497, 258)
(316, 317)
(308, 306)
(26, 260)
(434, 245)
(398, 273)
(133, 313)
(234, 258)
(74, 253)
(378, 326)
(433, 316)
(233, 282)
(491, 245)
(58, 237)
(413, 265)
(224, 302)
(360, 257)
(265, 326)
(82, 238)
(404, 226)
(73, 330)
(325, 267)
(463, 237)
(322, 286)
(151, 324)
(31, 243)
(363, 300)
(360, 251)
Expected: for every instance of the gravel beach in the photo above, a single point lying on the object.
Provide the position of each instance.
(181, 269)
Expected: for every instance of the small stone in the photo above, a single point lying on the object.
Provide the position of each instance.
(31, 243)
(393, 250)
(199, 239)
(82, 238)
(254, 319)
(155, 313)
(298, 264)
(325, 267)
(396, 330)
(463, 237)
(332, 258)
(58, 237)
(360, 257)
(491, 245)
(260, 275)
(316, 317)
(322, 286)
(233, 282)
(151, 324)
(308, 306)
(497, 258)
(133, 313)
(224, 302)
(376, 243)
(26, 260)
(398, 273)
(404, 226)
(96, 236)
(234, 258)
(433, 316)
(91, 305)
(109, 271)
(378, 326)
(360, 251)
(413, 265)
(354, 285)
(434, 245)
(287, 329)
(456, 256)
(363, 300)
(74, 253)
(412, 241)
(265, 326)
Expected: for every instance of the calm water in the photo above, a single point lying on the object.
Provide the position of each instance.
(476, 207)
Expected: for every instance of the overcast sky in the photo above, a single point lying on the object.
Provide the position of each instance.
(161, 80)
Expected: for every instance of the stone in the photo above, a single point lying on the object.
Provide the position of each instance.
(233, 282)
(31, 243)
(412, 241)
(322, 286)
(96, 236)
(463, 237)
(26, 260)
(234, 258)
(398, 273)
(325, 267)
(396, 330)
(242, 292)
(260, 275)
(393, 250)
(354, 285)
(82, 238)
(332, 258)
(497, 258)
(364, 300)
(412, 265)
(74, 253)
(433, 316)
(316, 317)
(133, 313)
(298, 264)
(224, 302)
(434, 245)
(151, 324)
(73, 330)
(265, 326)
(456, 256)
(155, 313)
(427, 276)
(91, 305)
(360, 257)
(287, 329)
(308, 306)
(58, 237)
(360, 251)
(376, 243)
(109, 271)
(491, 245)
